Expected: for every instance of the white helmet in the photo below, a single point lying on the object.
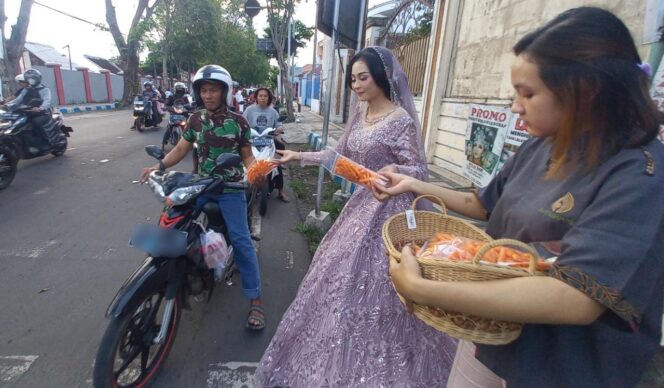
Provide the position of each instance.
(180, 85)
(213, 73)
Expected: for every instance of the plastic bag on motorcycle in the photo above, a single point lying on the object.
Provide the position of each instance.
(214, 249)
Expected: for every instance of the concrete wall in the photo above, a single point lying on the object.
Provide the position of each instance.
(117, 85)
(98, 87)
(74, 87)
(479, 71)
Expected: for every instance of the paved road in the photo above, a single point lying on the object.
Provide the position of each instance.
(64, 226)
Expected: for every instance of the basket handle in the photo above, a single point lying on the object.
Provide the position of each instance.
(433, 198)
(506, 241)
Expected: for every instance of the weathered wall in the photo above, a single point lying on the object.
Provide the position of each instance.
(480, 69)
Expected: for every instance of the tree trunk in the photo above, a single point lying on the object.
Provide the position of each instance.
(132, 85)
(164, 68)
(14, 46)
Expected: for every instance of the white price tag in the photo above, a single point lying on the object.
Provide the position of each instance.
(410, 218)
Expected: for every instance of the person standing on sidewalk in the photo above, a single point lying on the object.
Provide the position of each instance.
(589, 179)
(346, 326)
(216, 131)
(261, 116)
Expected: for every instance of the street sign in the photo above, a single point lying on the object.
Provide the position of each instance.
(265, 45)
(252, 8)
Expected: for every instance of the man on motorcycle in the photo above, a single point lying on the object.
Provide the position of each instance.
(180, 97)
(180, 94)
(38, 97)
(260, 116)
(151, 96)
(216, 130)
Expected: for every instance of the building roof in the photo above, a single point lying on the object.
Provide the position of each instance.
(48, 54)
(104, 64)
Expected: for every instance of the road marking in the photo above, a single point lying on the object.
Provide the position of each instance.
(289, 260)
(232, 375)
(13, 367)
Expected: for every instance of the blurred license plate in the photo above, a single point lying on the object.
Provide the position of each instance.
(262, 141)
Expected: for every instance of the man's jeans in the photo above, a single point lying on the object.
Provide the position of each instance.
(234, 209)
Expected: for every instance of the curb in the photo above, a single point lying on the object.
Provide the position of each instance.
(85, 108)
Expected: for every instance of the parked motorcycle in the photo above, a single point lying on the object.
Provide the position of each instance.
(262, 147)
(145, 313)
(20, 139)
(144, 115)
(176, 124)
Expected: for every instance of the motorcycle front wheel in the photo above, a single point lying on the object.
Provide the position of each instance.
(62, 149)
(264, 195)
(175, 135)
(8, 165)
(127, 355)
(138, 124)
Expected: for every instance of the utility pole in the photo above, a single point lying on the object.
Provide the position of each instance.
(328, 103)
(69, 55)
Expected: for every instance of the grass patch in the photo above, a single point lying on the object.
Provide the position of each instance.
(312, 234)
(298, 188)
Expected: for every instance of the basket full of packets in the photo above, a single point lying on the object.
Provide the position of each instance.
(452, 250)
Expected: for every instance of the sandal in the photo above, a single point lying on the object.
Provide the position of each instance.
(257, 314)
(283, 198)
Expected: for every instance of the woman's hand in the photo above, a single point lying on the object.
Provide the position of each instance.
(398, 184)
(287, 156)
(404, 274)
(376, 184)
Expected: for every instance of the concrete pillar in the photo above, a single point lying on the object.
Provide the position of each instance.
(86, 83)
(109, 88)
(58, 82)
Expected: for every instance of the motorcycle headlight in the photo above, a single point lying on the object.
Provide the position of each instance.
(184, 194)
(138, 108)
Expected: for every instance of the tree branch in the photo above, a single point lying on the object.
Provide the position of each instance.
(16, 41)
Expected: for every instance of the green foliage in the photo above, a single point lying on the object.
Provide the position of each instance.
(199, 32)
(312, 234)
(298, 188)
(301, 34)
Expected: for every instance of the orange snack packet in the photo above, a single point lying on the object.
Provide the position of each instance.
(445, 246)
(259, 169)
(355, 172)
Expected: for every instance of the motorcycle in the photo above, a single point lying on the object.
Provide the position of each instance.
(176, 123)
(143, 114)
(145, 313)
(263, 147)
(21, 139)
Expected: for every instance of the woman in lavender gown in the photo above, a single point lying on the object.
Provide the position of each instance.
(346, 326)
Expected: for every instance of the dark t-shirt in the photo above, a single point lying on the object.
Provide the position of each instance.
(261, 118)
(216, 134)
(611, 225)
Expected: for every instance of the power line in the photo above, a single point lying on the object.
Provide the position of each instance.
(98, 25)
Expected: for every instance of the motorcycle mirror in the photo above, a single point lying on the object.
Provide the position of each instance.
(155, 151)
(225, 161)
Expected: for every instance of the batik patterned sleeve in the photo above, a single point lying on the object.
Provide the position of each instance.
(409, 155)
(613, 252)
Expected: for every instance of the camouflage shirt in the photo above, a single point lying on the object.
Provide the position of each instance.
(216, 134)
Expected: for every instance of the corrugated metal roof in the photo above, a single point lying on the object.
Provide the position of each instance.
(49, 55)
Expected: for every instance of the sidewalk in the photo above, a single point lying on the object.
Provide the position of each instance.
(310, 127)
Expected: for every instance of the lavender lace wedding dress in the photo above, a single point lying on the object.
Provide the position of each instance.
(346, 326)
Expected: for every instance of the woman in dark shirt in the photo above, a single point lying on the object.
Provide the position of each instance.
(591, 178)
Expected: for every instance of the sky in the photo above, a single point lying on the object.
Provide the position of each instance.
(49, 27)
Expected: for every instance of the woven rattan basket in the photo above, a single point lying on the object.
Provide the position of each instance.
(476, 329)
